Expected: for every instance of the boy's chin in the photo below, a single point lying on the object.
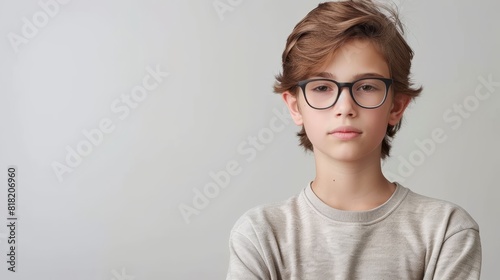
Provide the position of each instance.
(346, 155)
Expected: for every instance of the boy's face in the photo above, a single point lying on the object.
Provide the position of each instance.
(347, 132)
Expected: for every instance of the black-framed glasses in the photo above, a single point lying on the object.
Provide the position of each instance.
(368, 93)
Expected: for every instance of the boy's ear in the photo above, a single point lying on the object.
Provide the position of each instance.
(398, 107)
(292, 103)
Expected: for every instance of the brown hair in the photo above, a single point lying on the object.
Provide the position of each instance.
(326, 28)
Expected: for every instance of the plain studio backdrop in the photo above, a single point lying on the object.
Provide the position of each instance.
(141, 130)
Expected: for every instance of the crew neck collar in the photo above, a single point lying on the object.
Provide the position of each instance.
(362, 217)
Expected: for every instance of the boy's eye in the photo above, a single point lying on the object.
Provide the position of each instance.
(322, 88)
(366, 88)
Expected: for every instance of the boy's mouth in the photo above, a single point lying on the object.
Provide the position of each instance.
(345, 129)
(345, 132)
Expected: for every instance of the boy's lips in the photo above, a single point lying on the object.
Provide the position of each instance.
(345, 132)
(345, 129)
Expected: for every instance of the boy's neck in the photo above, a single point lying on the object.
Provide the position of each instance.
(352, 186)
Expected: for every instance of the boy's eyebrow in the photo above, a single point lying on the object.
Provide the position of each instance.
(329, 75)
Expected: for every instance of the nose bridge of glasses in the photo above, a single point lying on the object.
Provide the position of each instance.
(345, 86)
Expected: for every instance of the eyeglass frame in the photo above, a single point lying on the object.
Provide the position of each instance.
(387, 81)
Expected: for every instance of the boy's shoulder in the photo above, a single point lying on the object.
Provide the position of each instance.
(263, 217)
(411, 208)
(438, 211)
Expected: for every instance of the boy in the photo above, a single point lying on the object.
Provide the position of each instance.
(345, 80)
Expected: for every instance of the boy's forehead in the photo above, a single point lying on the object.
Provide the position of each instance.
(358, 55)
(354, 76)
(354, 48)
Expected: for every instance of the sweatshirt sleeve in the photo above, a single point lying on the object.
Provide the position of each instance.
(245, 260)
(460, 256)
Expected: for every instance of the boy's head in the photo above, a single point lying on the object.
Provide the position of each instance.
(332, 25)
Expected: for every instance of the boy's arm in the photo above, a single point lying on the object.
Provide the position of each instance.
(460, 256)
(245, 260)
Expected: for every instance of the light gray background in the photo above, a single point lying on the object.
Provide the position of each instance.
(116, 215)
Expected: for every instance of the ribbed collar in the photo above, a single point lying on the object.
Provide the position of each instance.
(359, 217)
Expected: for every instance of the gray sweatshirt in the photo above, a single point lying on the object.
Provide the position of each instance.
(408, 237)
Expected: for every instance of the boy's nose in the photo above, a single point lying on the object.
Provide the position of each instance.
(345, 105)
